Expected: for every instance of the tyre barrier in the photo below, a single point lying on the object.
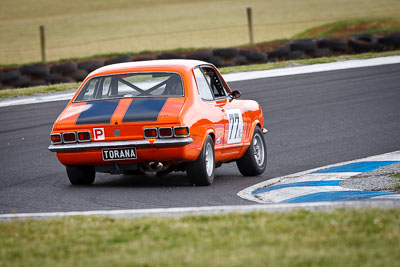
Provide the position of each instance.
(91, 65)
(120, 59)
(241, 60)
(295, 55)
(39, 74)
(79, 75)
(58, 78)
(390, 40)
(170, 56)
(280, 52)
(21, 81)
(322, 52)
(143, 58)
(37, 83)
(65, 68)
(365, 43)
(228, 62)
(39, 71)
(339, 45)
(216, 61)
(305, 45)
(254, 56)
(9, 76)
(225, 52)
(204, 56)
(66, 79)
(53, 78)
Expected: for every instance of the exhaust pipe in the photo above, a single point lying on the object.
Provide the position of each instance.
(154, 166)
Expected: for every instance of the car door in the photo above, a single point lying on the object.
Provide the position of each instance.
(231, 110)
(212, 109)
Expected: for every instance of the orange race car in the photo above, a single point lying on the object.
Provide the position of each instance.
(158, 116)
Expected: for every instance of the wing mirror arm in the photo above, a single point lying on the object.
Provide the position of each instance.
(235, 94)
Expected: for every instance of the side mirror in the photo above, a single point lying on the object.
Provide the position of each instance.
(235, 94)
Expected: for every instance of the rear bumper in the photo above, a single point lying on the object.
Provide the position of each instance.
(143, 143)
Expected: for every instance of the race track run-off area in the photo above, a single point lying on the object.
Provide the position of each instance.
(321, 184)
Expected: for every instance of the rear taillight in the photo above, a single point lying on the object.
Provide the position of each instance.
(69, 137)
(150, 133)
(83, 136)
(56, 138)
(181, 131)
(165, 132)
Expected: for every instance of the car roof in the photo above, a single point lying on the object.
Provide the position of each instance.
(151, 65)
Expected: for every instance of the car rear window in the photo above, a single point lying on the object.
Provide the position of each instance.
(154, 84)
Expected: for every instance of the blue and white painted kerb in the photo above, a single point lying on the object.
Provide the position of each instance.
(321, 184)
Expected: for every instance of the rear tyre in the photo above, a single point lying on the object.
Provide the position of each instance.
(201, 171)
(81, 175)
(254, 160)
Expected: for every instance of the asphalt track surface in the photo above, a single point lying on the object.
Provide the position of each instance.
(313, 120)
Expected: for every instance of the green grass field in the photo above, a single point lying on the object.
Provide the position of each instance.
(84, 28)
(353, 26)
(299, 238)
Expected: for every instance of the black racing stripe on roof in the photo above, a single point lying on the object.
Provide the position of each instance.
(144, 109)
(97, 112)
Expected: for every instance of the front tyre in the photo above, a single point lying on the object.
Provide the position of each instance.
(254, 160)
(81, 175)
(201, 171)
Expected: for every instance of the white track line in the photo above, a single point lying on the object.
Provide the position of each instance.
(279, 195)
(180, 212)
(240, 76)
(51, 97)
(341, 65)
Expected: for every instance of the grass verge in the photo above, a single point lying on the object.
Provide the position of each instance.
(8, 93)
(365, 237)
(29, 91)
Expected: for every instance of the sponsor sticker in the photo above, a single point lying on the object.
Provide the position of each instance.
(99, 134)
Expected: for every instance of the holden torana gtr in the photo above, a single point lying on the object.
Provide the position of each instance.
(158, 116)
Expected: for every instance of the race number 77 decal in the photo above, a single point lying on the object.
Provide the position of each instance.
(235, 126)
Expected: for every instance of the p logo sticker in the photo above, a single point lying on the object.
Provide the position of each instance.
(99, 134)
